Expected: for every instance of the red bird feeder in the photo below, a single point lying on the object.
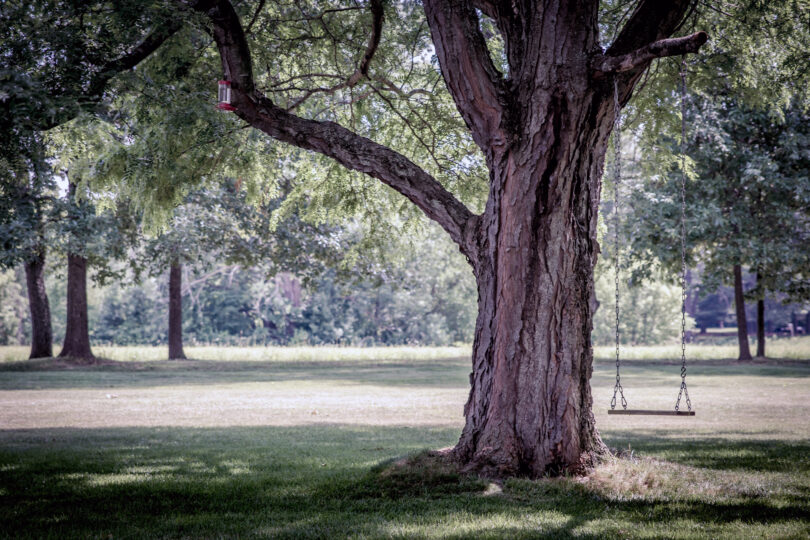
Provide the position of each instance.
(224, 97)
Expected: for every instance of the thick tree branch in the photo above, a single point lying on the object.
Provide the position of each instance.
(132, 58)
(652, 20)
(328, 138)
(92, 91)
(643, 56)
(374, 40)
(476, 85)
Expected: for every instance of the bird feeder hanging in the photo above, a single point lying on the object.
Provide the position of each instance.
(224, 97)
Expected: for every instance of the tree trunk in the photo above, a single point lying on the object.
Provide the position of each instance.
(176, 313)
(760, 320)
(529, 411)
(41, 331)
(77, 337)
(742, 322)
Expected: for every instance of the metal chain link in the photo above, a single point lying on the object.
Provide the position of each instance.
(617, 177)
(683, 392)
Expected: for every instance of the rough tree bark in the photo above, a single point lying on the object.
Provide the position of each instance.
(543, 130)
(176, 312)
(41, 331)
(77, 336)
(760, 319)
(742, 321)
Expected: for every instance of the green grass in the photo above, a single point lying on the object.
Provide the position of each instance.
(293, 447)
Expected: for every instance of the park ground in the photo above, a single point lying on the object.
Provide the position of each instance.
(299, 443)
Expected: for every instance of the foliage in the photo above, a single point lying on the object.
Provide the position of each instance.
(28, 204)
(131, 316)
(298, 296)
(13, 307)
(58, 55)
(166, 140)
(756, 53)
(650, 311)
(402, 104)
(748, 203)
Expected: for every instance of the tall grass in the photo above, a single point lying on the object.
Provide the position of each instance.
(146, 353)
(797, 348)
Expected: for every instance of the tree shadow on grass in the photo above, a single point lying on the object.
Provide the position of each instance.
(42, 374)
(451, 373)
(322, 482)
(724, 450)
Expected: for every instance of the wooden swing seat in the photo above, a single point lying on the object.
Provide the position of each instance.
(651, 412)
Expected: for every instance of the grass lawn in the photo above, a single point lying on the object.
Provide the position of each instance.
(285, 444)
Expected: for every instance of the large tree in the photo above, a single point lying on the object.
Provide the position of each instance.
(541, 113)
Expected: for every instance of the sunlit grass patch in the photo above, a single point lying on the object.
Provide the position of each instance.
(324, 353)
(287, 354)
(797, 348)
(645, 478)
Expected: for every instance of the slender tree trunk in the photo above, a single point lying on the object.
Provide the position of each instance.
(176, 313)
(760, 320)
(41, 331)
(77, 337)
(742, 322)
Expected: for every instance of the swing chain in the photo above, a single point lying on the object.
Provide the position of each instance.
(683, 392)
(617, 175)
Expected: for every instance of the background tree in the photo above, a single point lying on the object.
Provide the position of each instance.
(653, 315)
(26, 214)
(747, 207)
(88, 236)
(56, 61)
(214, 229)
